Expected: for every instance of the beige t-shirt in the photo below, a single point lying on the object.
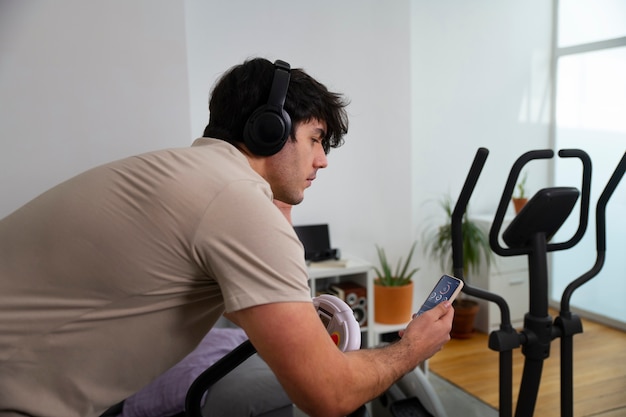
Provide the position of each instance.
(113, 276)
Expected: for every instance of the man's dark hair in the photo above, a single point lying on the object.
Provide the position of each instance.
(244, 88)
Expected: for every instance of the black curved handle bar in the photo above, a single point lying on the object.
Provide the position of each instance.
(507, 193)
(456, 224)
(584, 202)
(204, 381)
(457, 239)
(195, 393)
(600, 235)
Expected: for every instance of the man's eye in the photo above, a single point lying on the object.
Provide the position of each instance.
(324, 144)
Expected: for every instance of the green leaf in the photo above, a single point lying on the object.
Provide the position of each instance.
(438, 242)
(401, 276)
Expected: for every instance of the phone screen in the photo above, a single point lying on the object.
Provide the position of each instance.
(446, 289)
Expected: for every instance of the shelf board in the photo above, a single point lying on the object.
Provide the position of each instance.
(387, 328)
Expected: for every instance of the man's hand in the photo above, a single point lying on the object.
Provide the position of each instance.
(430, 330)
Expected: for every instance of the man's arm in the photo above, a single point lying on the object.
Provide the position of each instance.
(319, 378)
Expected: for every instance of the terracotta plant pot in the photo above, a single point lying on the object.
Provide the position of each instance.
(464, 316)
(393, 305)
(518, 203)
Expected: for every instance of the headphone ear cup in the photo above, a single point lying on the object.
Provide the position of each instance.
(267, 130)
(269, 126)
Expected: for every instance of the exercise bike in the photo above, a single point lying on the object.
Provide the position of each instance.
(338, 319)
(529, 234)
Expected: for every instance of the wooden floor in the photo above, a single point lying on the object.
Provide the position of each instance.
(599, 372)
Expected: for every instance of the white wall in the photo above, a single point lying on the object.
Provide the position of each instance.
(358, 48)
(429, 82)
(85, 83)
(480, 78)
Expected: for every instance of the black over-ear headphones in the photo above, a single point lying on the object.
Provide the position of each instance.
(268, 128)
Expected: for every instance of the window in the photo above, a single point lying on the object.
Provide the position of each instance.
(590, 114)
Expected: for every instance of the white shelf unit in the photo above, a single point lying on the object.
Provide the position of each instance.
(507, 277)
(321, 276)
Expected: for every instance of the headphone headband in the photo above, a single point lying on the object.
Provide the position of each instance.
(280, 84)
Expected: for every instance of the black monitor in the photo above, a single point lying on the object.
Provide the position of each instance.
(316, 241)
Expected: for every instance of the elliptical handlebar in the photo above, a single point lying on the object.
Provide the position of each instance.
(461, 206)
(507, 193)
(600, 233)
(506, 339)
(457, 239)
(584, 201)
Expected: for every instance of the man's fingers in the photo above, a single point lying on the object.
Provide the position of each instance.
(444, 308)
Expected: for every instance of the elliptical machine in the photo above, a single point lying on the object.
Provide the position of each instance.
(529, 234)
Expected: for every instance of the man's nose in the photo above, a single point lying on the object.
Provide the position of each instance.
(321, 161)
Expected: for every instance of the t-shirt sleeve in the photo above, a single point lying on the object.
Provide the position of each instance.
(250, 249)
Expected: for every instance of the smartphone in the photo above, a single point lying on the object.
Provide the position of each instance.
(447, 288)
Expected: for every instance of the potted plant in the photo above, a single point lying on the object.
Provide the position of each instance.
(393, 289)
(520, 199)
(476, 249)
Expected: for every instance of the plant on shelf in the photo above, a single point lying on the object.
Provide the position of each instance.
(401, 276)
(520, 199)
(393, 289)
(476, 250)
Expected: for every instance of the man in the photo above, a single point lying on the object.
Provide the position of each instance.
(111, 277)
